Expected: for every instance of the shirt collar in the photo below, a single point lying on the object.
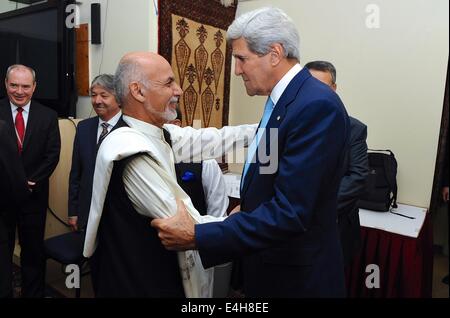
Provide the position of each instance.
(26, 108)
(279, 89)
(113, 121)
(144, 127)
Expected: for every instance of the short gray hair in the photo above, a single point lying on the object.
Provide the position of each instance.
(21, 66)
(263, 27)
(106, 81)
(127, 71)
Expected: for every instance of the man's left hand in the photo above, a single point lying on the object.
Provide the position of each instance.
(176, 233)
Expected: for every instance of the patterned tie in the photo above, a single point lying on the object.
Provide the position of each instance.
(254, 145)
(20, 128)
(103, 133)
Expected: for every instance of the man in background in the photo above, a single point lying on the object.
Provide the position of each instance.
(90, 133)
(356, 171)
(34, 128)
(13, 192)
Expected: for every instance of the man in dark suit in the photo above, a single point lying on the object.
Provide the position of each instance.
(356, 171)
(13, 192)
(286, 233)
(34, 129)
(90, 133)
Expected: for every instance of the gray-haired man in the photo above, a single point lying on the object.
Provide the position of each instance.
(90, 132)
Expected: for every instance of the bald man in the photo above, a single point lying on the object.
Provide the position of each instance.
(135, 180)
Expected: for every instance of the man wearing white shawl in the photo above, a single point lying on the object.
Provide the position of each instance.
(135, 181)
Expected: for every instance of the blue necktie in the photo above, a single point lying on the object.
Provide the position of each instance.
(254, 145)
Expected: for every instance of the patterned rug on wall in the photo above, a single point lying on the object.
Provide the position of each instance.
(192, 37)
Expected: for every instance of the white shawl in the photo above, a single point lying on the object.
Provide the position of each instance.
(120, 144)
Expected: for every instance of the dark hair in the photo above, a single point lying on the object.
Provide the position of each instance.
(323, 66)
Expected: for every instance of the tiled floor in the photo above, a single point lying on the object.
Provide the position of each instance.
(57, 279)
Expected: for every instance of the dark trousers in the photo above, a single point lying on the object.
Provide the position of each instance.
(7, 231)
(31, 230)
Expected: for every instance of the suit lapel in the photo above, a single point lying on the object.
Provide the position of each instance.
(31, 125)
(92, 136)
(276, 118)
(6, 115)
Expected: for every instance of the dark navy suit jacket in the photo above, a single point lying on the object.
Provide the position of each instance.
(82, 171)
(286, 233)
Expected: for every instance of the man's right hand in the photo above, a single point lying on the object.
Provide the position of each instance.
(73, 222)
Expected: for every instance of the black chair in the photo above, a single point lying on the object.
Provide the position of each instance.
(67, 249)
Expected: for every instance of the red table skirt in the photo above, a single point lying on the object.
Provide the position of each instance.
(405, 263)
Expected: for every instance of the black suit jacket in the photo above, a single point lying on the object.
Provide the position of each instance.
(82, 170)
(13, 185)
(351, 188)
(41, 148)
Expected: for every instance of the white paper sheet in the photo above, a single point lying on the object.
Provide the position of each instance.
(409, 223)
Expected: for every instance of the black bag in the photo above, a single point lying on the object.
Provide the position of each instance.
(381, 186)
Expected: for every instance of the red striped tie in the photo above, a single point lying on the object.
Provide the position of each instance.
(20, 128)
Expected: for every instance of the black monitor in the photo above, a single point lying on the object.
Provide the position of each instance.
(37, 36)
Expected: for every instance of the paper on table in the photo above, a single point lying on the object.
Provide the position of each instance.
(409, 223)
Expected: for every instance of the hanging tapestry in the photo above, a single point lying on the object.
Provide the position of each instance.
(192, 37)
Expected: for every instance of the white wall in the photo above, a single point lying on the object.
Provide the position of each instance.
(391, 78)
(7, 5)
(126, 26)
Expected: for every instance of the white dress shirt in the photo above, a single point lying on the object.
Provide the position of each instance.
(279, 89)
(214, 188)
(25, 113)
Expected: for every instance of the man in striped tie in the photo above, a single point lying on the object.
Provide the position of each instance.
(90, 133)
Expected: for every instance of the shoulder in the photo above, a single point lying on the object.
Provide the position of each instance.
(3, 127)
(4, 102)
(88, 122)
(43, 110)
(357, 123)
(357, 126)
